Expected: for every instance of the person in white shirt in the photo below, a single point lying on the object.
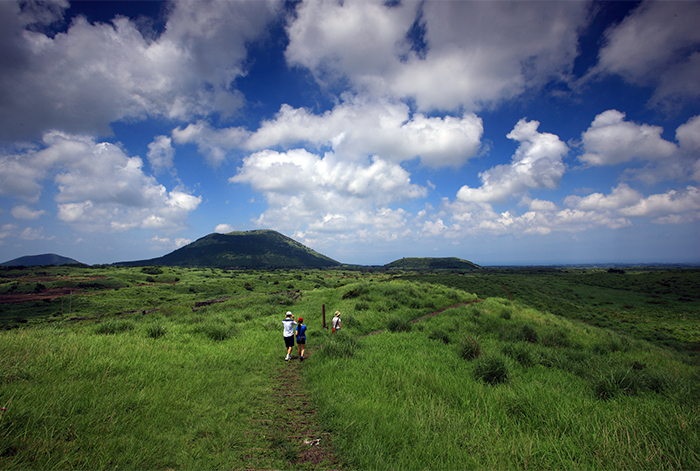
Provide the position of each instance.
(335, 322)
(288, 333)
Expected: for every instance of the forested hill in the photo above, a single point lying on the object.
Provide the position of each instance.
(43, 259)
(428, 263)
(261, 249)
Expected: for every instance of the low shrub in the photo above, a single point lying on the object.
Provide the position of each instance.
(529, 334)
(491, 369)
(388, 305)
(505, 313)
(618, 381)
(156, 330)
(554, 359)
(556, 338)
(216, 332)
(362, 306)
(469, 348)
(439, 334)
(350, 321)
(656, 381)
(397, 324)
(114, 327)
(356, 292)
(519, 352)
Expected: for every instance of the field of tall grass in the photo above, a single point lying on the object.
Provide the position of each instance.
(184, 374)
(494, 385)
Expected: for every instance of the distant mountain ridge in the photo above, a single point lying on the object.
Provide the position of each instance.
(43, 259)
(257, 249)
(429, 263)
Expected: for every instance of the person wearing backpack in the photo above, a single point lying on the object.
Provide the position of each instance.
(335, 322)
(301, 337)
(288, 333)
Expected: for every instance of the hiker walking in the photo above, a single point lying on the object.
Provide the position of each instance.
(301, 337)
(288, 333)
(335, 322)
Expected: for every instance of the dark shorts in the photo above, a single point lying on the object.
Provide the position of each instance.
(301, 340)
(289, 341)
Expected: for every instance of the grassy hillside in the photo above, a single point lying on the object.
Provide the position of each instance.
(261, 249)
(427, 263)
(668, 301)
(183, 369)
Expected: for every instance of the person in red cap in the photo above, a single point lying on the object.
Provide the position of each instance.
(301, 337)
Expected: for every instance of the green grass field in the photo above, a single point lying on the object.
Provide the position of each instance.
(183, 369)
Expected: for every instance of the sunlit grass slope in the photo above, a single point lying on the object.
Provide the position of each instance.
(494, 385)
(483, 385)
(658, 305)
(184, 387)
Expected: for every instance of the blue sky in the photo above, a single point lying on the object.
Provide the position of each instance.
(498, 132)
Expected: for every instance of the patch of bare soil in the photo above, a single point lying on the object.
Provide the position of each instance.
(50, 294)
(306, 446)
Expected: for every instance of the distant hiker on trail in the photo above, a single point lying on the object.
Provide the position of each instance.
(301, 337)
(288, 333)
(335, 322)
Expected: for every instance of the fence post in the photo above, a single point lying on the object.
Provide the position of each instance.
(323, 310)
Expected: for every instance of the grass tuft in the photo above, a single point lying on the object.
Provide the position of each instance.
(114, 327)
(519, 352)
(439, 334)
(469, 348)
(491, 369)
(156, 330)
(397, 324)
(340, 345)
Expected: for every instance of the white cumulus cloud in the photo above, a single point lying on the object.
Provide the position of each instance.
(25, 212)
(657, 44)
(224, 228)
(304, 188)
(83, 79)
(611, 140)
(537, 163)
(99, 187)
(161, 154)
(353, 129)
(470, 54)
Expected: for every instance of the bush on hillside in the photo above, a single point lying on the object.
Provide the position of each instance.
(506, 313)
(362, 306)
(156, 330)
(556, 338)
(492, 370)
(519, 352)
(630, 381)
(114, 327)
(396, 324)
(216, 331)
(469, 348)
(356, 292)
(439, 334)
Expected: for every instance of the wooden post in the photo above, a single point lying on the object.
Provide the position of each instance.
(323, 310)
